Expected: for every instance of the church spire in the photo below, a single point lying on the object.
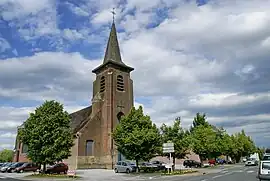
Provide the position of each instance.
(113, 51)
(112, 54)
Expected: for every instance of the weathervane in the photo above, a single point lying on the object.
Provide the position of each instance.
(113, 12)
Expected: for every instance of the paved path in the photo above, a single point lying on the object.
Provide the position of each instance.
(236, 173)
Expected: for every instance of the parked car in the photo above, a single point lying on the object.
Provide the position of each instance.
(160, 165)
(148, 167)
(264, 170)
(251, 162)
(220, 161)
(27, 167)
(5, 167)
(266, 156)
(12, 168)
(212, 162)
(125, 166)
(57, 168)
(192, 163)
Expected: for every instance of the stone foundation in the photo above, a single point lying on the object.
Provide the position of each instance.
(92, 162)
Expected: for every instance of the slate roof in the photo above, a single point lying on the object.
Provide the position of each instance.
(80, 118)
(112, 54)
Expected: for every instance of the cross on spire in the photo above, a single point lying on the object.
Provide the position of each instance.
(113, 13)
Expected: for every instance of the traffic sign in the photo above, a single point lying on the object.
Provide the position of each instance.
(168, 148)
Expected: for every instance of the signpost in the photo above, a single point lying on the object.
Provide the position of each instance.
(169, 148)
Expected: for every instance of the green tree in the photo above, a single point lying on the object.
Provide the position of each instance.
(241, 146)
(260, 151)
(136, 137)
(221, 142)
(47, 133)
(6, 155)
(178, 136)
(199, 120)
(203, 141)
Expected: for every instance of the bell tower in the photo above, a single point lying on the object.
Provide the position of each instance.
(112, 94)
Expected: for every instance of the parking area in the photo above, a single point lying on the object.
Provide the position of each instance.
(14, 175)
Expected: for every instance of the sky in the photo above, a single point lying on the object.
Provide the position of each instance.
(208, 56)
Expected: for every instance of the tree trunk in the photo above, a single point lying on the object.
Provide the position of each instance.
(44, 168)
(137, 166)
(173, 167)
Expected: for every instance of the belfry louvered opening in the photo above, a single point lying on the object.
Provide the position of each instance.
(120, 83)
(102, 84)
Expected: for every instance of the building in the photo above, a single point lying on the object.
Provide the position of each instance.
(93, 125)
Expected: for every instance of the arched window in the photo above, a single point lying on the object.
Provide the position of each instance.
(102, 84)
(119, 116)
(24, 148)
(120, 83)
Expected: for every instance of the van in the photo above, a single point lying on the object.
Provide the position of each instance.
(264, 170)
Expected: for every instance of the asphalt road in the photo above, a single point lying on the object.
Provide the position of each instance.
(239, 173)
(233, 174)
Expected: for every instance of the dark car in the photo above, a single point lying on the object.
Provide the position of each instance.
(57, 168)
(160, 165)
(220, 161)
(27, 167)
(192, 163)
(12, 168)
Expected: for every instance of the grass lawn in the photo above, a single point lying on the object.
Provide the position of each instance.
(220, 166)
(158, 173)
(180, 172)
(55, 176)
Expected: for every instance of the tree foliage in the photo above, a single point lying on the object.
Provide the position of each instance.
(199, 120)
(178, 136)
(47, 133)
(203, 141)
(241, 146)
(136, 137)
(6, 155)
(211, 142)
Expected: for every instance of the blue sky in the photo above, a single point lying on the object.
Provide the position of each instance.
(189, 56)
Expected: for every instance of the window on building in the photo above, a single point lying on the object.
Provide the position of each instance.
(24, 148)
(102, 84)
(89, 148)
(119, 116)
(120, 83)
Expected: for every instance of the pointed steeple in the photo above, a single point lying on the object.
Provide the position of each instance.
(113, 51)
(112, 56)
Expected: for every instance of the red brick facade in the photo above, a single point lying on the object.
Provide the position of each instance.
(112, 96)
(19, 156)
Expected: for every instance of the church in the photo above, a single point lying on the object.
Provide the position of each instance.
(93, 125)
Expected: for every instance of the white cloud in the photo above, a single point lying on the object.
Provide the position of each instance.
(6, 146)
(4, 45)
(102, 17)
(227, 99)
(8, 135)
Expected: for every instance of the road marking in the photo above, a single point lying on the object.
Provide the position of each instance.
(217, 176)
(238, 171)
(250, 171)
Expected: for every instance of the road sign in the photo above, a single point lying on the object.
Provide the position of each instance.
(168, 148)
(168, 145)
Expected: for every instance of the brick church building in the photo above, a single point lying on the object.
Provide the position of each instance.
(93, 125)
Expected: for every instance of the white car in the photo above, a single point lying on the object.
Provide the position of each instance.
(264, 170)
(252, 162)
